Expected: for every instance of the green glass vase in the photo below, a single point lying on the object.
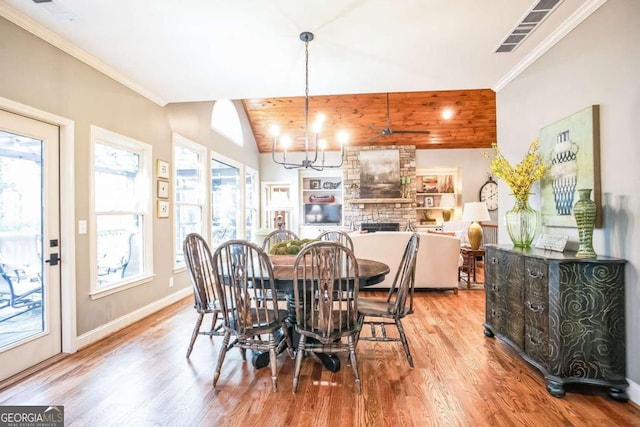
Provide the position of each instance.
(522, 223)
(584, 210)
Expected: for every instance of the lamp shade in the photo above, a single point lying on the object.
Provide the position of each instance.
(279, 200)
(448, 201)
(475, 211)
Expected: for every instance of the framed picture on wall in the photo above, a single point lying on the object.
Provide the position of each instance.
(163, 189)
(162, 169)
(163, 209)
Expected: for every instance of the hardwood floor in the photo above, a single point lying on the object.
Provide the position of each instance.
(140, 377)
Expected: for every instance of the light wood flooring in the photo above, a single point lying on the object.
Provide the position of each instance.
(140, 377)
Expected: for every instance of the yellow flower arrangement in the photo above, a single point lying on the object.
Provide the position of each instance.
(521, 177)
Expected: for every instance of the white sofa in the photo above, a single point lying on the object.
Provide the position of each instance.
(438, 256)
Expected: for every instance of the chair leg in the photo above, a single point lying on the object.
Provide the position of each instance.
(361, 323)
(354, 361)
(299, 357)
(273, 362)
(405, 343)
(194, 335)
(223, 352)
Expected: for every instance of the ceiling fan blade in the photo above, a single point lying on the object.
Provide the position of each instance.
(373, 138)
(424, 132)
(376, 127)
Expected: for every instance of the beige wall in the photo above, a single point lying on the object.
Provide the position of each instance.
(597, 63)
(39, 75)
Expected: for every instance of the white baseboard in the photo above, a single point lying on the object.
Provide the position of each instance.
(130, 318)
(634, 392)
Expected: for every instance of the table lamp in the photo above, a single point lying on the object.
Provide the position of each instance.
(475, 212)
(448, 202)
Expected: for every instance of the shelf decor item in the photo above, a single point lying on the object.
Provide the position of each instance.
(584, 210)
(522, 219)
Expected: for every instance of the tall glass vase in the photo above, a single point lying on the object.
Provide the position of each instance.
(585, 213)
(522, 223)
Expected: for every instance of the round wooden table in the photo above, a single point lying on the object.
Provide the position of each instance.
(370, 272)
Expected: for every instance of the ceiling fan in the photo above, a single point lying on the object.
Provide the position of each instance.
(386, 131)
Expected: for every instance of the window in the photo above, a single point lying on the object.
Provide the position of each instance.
(122, 176)
(226, 200)
(190, 174)
(225, 120)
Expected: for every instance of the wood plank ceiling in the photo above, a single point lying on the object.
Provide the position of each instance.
(472, 125)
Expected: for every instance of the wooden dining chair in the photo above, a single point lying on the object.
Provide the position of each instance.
(277, 236)
(197, 257)
(244, 277)
(325, 290)
(337, 236)
(399, 302)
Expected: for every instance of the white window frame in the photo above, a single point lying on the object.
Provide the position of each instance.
(201, 150)
(256, 199)
(104, 136)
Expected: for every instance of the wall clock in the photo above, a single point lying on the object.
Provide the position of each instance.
(489, 194)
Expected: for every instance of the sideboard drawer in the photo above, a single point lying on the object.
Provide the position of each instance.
(536, 277)
(536, 345)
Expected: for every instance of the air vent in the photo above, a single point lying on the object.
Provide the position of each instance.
(56, 8)
(529, 23)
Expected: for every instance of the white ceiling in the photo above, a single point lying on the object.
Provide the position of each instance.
(194, 50)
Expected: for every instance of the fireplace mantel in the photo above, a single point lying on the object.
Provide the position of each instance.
(387, 200)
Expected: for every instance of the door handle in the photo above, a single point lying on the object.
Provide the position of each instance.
(53, 259)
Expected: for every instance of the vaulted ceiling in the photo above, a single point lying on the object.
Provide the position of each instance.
(472, 123)
(428, 54)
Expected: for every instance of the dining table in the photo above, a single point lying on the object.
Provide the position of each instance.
(370, 273)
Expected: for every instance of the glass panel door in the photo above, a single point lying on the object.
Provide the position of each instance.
(30, 328)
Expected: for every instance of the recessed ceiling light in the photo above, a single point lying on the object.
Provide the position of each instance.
(447, 113)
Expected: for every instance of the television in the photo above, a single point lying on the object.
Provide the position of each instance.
(322, 213)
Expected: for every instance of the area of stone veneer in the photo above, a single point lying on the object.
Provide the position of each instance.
(357, 213)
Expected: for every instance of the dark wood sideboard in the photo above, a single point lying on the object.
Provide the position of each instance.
(562, 314)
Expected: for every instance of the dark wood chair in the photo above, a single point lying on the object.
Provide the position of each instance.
(277, 236)
(244, 276)
(337, 236)
(326, 281)
(197, 257)
(397, 305)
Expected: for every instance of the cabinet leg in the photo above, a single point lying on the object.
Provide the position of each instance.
(617, 394)
(555, 389)
(488, 333)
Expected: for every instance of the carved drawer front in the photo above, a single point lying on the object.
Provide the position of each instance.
(514, 326)
(495, 312)
(536, 312)
(536, 274)
(536, 345)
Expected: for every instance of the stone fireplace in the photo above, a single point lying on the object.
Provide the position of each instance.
(358, 211)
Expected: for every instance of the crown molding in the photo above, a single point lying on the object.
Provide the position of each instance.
(567, 26)
(55, 40)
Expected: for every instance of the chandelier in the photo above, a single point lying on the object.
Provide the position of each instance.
(311, 158)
